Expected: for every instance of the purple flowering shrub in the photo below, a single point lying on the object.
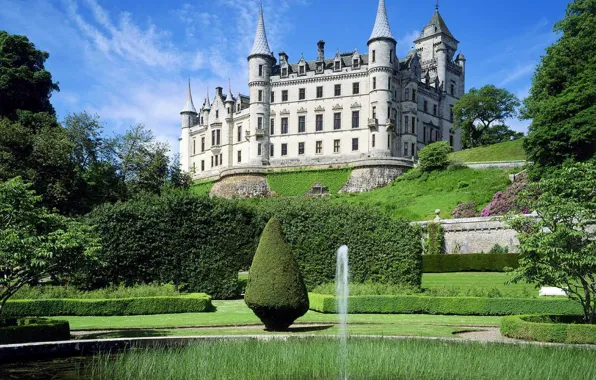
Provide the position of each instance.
(465, 210)
(506, 201)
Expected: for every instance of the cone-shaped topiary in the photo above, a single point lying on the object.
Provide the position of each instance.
(275, 290)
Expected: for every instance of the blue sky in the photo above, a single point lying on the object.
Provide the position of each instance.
(129, 61)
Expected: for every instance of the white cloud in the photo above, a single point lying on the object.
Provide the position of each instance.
(518, 72)
(406, 42)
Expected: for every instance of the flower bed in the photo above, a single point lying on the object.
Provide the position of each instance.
(549, 328)
(33, 330)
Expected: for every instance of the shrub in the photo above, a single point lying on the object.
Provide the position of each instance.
(434, 156)
(479, 262)
(192, 303)
(436, 238)
(34, 330)
(549, 328)
(367, 289)
(466, 210)
(499, 249)
(381, 249)
(404, 304)
(60, 292)
(275, 290)
(505, 202)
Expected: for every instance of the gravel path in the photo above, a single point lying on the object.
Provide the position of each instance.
(491, 334)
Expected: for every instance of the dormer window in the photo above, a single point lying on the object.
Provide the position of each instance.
(320, 67)
(302, 70)
(337, 65)
(284, 72)
(356, 64)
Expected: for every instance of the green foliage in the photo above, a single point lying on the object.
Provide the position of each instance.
(434, 156)
(499, 249)
(367, 289)
(436, 238)
(416, 195)
(548, 328)
(35, 243)
(504, 151)
(25, 84)
(500, 134)
(562, 101)
(275, 290)
(178, 237)
(469, 262)
(559, 249)
(34, 330)
(201, 187)
(405, 304)
(190, 303)
(59, 292)
(381, 249)
(476, 111)
(297, 183)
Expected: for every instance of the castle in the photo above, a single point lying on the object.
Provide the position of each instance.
(353, 107)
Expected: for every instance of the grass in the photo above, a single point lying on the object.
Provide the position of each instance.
(367, 359)
(201, 187)
(297, 183)
(505, 151)
(60, 292)
(416, 197)
(236, 313)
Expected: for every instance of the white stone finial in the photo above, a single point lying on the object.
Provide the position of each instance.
(207, 101)
(189, 105)
(229, 97)
(381, 28)
(261, 46)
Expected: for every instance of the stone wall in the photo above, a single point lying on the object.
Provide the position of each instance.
(241, 186)
(374, 173)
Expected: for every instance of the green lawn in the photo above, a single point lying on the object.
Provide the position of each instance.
(418, 198)
(297, 183)
(201, 187)
(505, 151)
(476, 281)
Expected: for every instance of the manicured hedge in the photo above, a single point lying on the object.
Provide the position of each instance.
(445, 305)
(381, 249)
(34, 330)
(548, 328)
(193, 303)
(474, 262)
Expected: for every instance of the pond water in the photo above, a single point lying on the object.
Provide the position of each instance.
(57, 369)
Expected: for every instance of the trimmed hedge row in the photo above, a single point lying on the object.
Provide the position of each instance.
(391, 304)
(473, 262)
(548, 328)
(192, 303)
(34, 330)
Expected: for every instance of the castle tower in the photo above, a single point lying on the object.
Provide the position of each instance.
(229, 103)
(206, 110)
(189, 116)
(381, 56)
(461, 62)
(260, 63)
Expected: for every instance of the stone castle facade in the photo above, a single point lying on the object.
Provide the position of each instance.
(352, 107)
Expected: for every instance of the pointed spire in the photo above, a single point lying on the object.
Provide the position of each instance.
(381, 28)
(207, 101)
(261, 46)
(189, 105)
(229, 97)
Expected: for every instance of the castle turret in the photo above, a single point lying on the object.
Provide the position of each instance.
(461, 62)
(381, 53)
(260, 63)
(206, 110)
(442, 65)
(229, 133)
(188, 115)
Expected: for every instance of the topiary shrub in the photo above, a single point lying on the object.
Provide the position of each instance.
(275, 290)
(434, 156)
(436, 238)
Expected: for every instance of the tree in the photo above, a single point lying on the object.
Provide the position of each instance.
(498, 134)
(476, 111)
(560, 248)
(25, 84)
(562, 100)
(434, 156)
(35, 242)
(275, 290)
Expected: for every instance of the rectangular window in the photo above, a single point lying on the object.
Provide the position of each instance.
(373, 140)
(319, 123)
(301, 94)
(389, 83)
(451, 140)
(413, 125)
(337, 65)
(374, 83)
(452, 89)
(202, 165)
(338, 90)
(260, 95)
(374, 56)
(336, 146)
(284, 125)
(435, 109)
(355, 144)
(221, 158)
(284, 149)
(194, 146)
(302, 70)
(355, 119)
(413, 150)
(424, 135)
(260, 70)
(258, 149)
(413, 95)
(405, 149)
(272, 127)
(271, 150)
(301, 124)
(388, 141)
(259, 123)
(217, 114)
(272, 97)
(212, 161)
(239, 156)
(218, 137)
(451, 114)
(337, 120)
(301, 148)
(216, 160)
(356, 64)
(319, 92)
(390, 56)
(284, 96)
(202, 144)
(406, 124)
(229, 110)
(284, 72)
(374, 113)
(407, 96)
(426, 106)
(239, 133)
(355, 88)
(319, 147)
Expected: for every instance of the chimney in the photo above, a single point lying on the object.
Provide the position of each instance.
(283, 56)
(321, 55)
(219, 92)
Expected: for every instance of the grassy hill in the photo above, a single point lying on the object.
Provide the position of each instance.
(505, 151)
(297, 183)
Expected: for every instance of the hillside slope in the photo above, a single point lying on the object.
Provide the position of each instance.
(505, 151)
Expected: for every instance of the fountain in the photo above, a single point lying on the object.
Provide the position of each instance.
(342, 290)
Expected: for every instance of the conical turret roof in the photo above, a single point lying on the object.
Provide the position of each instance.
(436, 25)
(261, 45)
(207, 101)
(381, 28)
(189, 105)
(229, 97)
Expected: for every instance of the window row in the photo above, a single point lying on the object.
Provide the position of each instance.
(301, 148)
(337, 91)
(337, 123)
